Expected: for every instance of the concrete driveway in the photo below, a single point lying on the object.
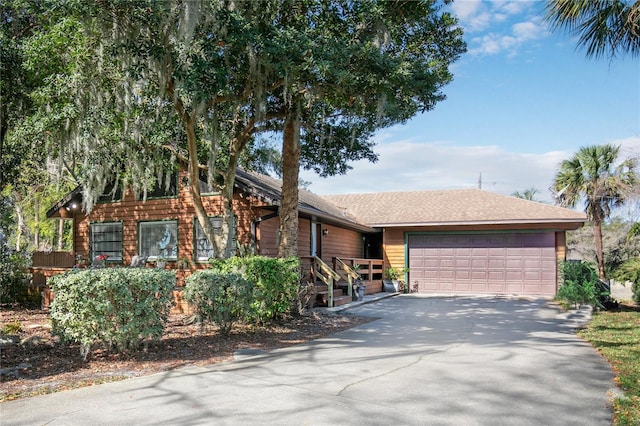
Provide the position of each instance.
(425, 361)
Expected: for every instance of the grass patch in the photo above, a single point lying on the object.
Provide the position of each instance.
(616, 335)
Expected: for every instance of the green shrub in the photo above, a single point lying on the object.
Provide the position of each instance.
(630, 271)
(119, 307)
(13, 327)
(276, 283)
(580, 285)
(219, 298)
(13, 274)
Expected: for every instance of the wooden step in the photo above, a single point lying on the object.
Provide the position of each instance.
(322, 298)
(342, 300)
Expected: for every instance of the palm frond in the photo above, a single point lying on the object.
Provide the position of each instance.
(603, 26)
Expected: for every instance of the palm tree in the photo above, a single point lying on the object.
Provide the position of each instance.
(527, 194)
(595, 175)
(603, 25)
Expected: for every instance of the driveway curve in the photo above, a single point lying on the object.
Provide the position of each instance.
(422, 361)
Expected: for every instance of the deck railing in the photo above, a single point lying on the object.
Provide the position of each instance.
(45, 264)
(370, 270)
(350, 273)
(324, 273)
(53, 259)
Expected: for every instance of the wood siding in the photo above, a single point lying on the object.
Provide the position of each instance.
(338, 242)
(393, 249)
(561, 246)
(130, 212)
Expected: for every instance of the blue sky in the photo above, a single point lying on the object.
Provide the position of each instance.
(522, 100)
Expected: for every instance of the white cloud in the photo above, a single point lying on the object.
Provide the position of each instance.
(629, 147)
(466, 10)
(476, 16)
(409, 165)
(521, 33)
(485, 21)
(473, 16)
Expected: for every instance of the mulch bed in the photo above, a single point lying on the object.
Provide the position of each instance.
(33, 362)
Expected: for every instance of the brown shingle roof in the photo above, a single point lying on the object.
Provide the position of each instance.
(464, 206)
(313, 205)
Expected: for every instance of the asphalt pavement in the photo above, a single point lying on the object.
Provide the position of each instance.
(421, 361)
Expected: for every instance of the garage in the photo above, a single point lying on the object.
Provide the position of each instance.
(492, 263)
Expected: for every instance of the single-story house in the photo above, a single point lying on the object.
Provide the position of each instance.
(468, 241)
(451, 241)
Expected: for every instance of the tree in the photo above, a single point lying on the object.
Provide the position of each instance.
(364, 66)
(527, 194)
(595, 174)
(195, 83)
(162, 83)
(26, 180)
(605, 26)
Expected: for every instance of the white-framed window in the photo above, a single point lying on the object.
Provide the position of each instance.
(158, 239)
(106, 239)
(203, 249)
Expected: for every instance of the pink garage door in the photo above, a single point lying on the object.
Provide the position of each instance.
(483, 263)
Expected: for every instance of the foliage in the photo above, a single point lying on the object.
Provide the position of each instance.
(630, 271)
(200, 80)
(276, 283)
(27, 178)
(219, 298)
(595, 174)
(395, 273)
(604, 26)
(527, 194)
(623, 250)
(580, 285)
(119, 307)
(13, 273)
(616, 335)
(634, 231)
(13, 327)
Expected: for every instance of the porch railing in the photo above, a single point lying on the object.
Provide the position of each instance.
(324, 273)
(370, 271)
(53, 259)
(349, 273)
(47, 264)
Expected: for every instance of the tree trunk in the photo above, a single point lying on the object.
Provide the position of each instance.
(597, 236)
(60, 244)
(194, 190)
(288, 245)
(36, 223)
(20, 226)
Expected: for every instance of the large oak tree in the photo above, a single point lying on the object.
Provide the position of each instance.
(155, 83)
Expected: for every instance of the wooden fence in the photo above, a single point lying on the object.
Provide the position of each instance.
(53, 259)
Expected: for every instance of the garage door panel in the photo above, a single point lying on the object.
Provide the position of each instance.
(463, 262)
(512, 263)
(496, 263)
(462, 274)
(479, 263)
(532, 276)
(496, 275)
(514, 275)
(516, 263)
(496, 287)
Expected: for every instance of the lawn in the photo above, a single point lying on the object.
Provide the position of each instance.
(616, 334)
